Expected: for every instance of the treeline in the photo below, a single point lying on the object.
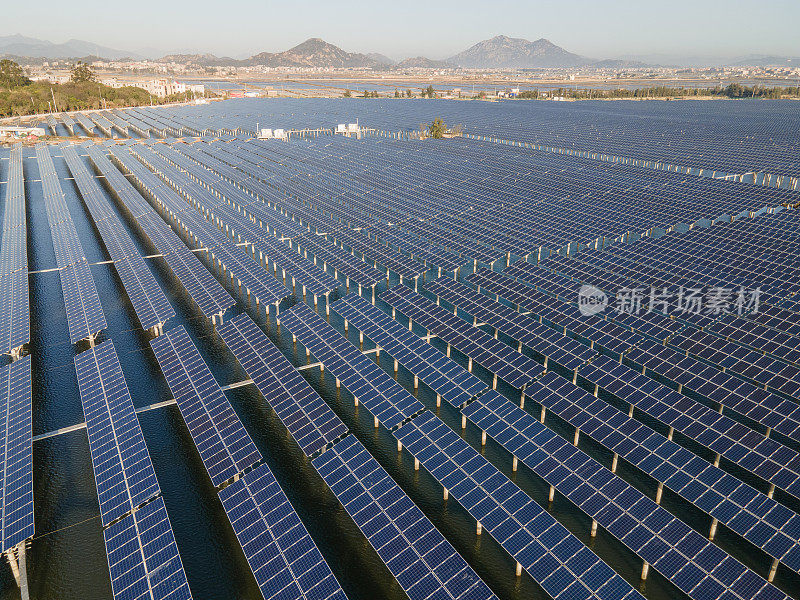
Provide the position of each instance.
(733, 90)
(20, 96)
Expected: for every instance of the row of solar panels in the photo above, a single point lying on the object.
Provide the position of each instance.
(85, 316)
(553, 218)
(384, 392)
(761, 135)
(149, 302)
(320, 338)
(15, 311)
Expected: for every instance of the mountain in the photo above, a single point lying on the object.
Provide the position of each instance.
(761, 60)
(382, 59)
(315, 53)
(202, 60)
(24, 46)
(420, 62)
(618, 63)
(516, 53)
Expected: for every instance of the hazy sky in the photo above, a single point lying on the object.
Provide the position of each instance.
(435, 28)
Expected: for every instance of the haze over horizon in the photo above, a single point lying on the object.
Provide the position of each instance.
(245, 27)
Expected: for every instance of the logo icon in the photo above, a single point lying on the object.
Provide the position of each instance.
(591, 300)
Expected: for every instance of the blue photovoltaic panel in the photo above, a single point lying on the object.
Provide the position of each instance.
(222, 441)
(759, 519)
(285, 561)
(17, 467)
(84, 312)
(148, 300)
(15, 316)
(386, 399)
(751, 450)
(544, 340)
(310, 421)
(143, 559)
(496, 356)
(122, 468)
(695, 565)
(441, 373)
(555, 558)
(420, 558)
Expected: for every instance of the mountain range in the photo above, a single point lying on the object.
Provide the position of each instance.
(498, 52)
(19, 45)
(517, 53)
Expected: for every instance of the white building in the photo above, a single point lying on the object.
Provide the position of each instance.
(164, 87)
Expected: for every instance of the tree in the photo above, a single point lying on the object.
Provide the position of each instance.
(81, 73)
(409, 93)
(396, 93)
(430, 92)
(347, 94)
(12, 75)
(437, 129)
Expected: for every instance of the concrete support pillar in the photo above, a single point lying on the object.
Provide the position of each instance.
(399, 446)
(772, 570)
(614, 463)
(514, 462)
(416, 464)
(483, 438)
(576, 437)
(645, 571)
(519, 569)
(12, 561)
(659, 492)
(463, 422)
(445, 494)
(438, 400)
(376, 422)
(771, 491)
(593, 533)
(479, 528)
(551, 496)
(712, 530)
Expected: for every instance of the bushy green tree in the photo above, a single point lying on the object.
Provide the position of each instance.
(82, 72)
(437, 129)
(347, 94)
(12, 75)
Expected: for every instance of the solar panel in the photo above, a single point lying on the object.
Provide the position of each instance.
(497, 357)
(420, 558)
(17, 468)
(751, 514)
(556, 559)
(122, 469)
(284, 559)
(15, 319)
(143, 559)
(544, 340)
(310, 421)
(444, 376)
(222, 441)
(84, 312)
(148, 300)
(386, 399)
(696, 566)
(749, 449)
(333, 256)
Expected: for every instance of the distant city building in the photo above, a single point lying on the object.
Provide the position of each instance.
(164, 87)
